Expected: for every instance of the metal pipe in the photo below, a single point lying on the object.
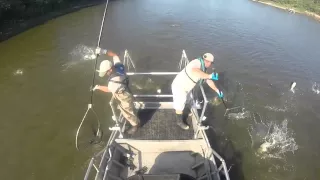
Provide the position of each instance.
(206, 139)
(111, 138)
(112, 108)
(203, 93)
(217, 155)
(108, 164)
(97, 169)
(102, 159)
(196, 133)
(89, 169)
(153, 95)
(205, 102)
(124, 58)
(225, 170)
(151, 73)
(99, 153)
(204, 109)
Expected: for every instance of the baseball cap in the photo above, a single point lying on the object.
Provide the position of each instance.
(105, 65)
(208, 57)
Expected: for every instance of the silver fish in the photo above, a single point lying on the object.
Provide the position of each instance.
(293, 85)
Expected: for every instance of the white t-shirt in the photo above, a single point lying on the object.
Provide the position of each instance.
(113, 86)
(182, 81)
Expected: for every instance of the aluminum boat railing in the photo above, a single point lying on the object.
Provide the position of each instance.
(117, 129)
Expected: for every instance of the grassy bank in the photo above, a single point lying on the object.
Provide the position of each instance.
(307, 7)
(17, 16)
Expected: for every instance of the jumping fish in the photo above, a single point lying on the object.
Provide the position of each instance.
(293, 85)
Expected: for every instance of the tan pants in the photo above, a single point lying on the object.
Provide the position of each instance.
(127, 107)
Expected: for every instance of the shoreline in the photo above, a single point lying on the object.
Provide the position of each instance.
(289, 8)
(17, 28)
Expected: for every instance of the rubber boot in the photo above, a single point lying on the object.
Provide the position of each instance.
(181, 123)
(187, 111)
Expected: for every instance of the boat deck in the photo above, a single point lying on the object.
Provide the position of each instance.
(160, 124)
(165, 157)
(160, 149)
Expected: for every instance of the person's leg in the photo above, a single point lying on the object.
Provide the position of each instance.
(128, 110)
(179, 100)
(189, 102)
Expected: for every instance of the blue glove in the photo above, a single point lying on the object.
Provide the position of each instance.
(220, 94)
(214, 76)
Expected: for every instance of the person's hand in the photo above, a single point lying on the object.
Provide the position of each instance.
(214, 76)
(110, 53)
(220, 94)
(95, 87)
(98, 50)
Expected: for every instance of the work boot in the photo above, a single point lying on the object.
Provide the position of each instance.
(181, 123)
(133, 129)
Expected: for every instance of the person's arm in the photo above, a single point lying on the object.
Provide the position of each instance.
(200, 74)
(101, 88)
(115, 57)
(213, 86)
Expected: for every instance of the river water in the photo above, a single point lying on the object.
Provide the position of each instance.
(259, 50)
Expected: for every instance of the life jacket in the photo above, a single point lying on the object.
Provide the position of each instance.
(203, 68)
(119, 71)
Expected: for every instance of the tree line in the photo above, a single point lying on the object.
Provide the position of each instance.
(309, 5)
(11, 10)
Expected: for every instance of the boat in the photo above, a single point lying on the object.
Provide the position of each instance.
(159, 150)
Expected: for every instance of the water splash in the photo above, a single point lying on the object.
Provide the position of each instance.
(278, 141)
(18, 72)
(240, 115)
(316, 88)
(83, 52)
(216, 101)
(276, 109)
(80, 54)
(258, 130)
(175, 25)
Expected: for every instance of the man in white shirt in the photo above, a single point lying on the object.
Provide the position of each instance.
(117, 83)
(186, 80)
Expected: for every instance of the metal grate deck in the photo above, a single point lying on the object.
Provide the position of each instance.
(160, 124)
